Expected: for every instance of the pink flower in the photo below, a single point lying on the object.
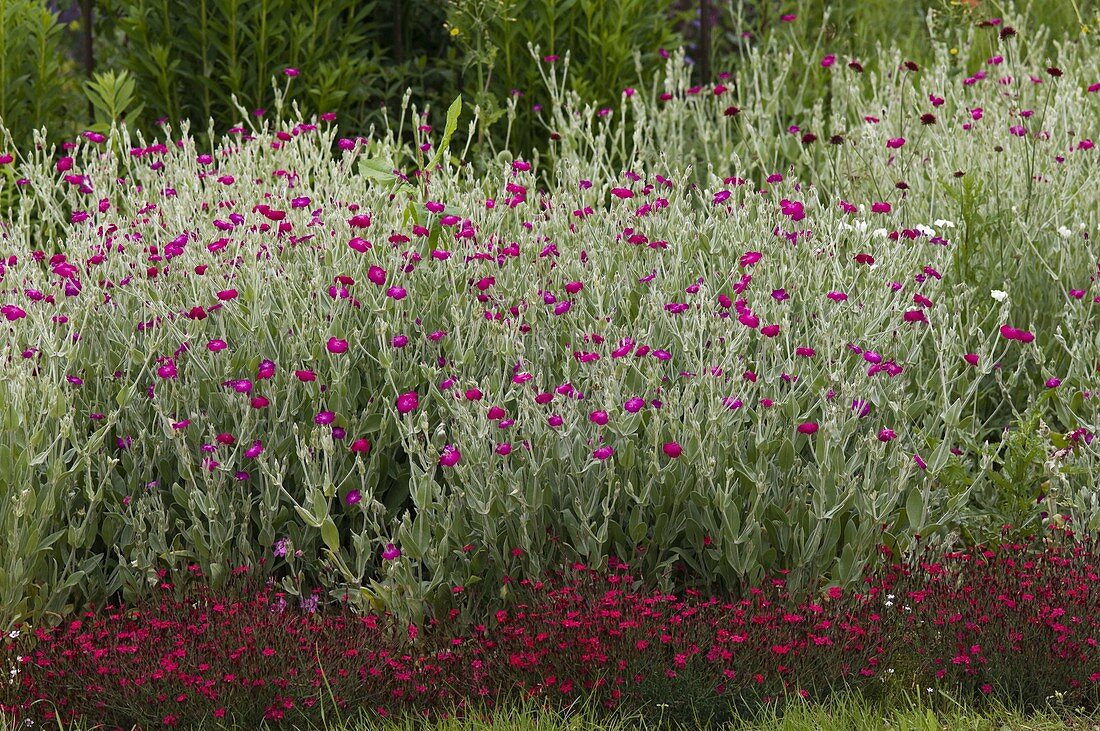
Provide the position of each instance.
(392, 552)
(337, 345)
(880, 207)
(603, 453)
(895, 143)
(920, 462)
(407, 402)
(377, 275)
(770, 331)
(672, 449)
(1011, 333)
(496, 413)
(217, 344)
(598, 417)
(450, 456)
(808, 427)
(634, 405)
(971, 358)
(828, 61)
(255, 450)
(13, 312)
(361, 446)
(749, 258)
(291, 72)
(305, 376)
(887, 435)
(1053, 382)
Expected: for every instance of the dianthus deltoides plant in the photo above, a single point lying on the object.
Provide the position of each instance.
(755, 334)
(1013, 622)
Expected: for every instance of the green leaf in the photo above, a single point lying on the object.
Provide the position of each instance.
(914, 509)
(330, 535)
(448, 131)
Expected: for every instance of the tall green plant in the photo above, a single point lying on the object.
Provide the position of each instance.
(36, 87)
(194, 58)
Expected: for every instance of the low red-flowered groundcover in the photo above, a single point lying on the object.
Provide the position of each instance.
(1015, 622)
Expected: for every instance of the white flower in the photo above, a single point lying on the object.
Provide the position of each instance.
(861, 226)
(1064, 232)
(880, 233)
(943, 223)
(13, 634)
(998, 295)
(926, 230)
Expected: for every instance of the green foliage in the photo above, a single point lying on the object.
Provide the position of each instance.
(193, 59)
(113, 98)
(36, 87)
(612, 44)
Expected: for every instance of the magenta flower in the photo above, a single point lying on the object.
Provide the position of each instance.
(377, 275)
(749, 258)
(450, 456)
(337, 345)
(920, 462)
(602, 453)
(392, 552)
(598, 417)
(672, 449)
(407, 402)
(496, 413)
(634, 405)
(887, 435)
(895, 143)
(1011, 333)
(1053, 382)
(361, 446)
(255, 450)
(808, 427)
(971, 358)
(266, 370)
(504, 449)
(324, 417)
(770, 331)
(216, 345)
(290, 71)
(555, 420)
(305, 376)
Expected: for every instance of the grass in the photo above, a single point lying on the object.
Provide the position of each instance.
(843, 714)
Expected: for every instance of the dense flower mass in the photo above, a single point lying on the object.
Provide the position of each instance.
(1005, 619)
(727, 336)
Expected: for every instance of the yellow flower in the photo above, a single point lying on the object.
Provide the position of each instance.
(455, 32)
(954, 52)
